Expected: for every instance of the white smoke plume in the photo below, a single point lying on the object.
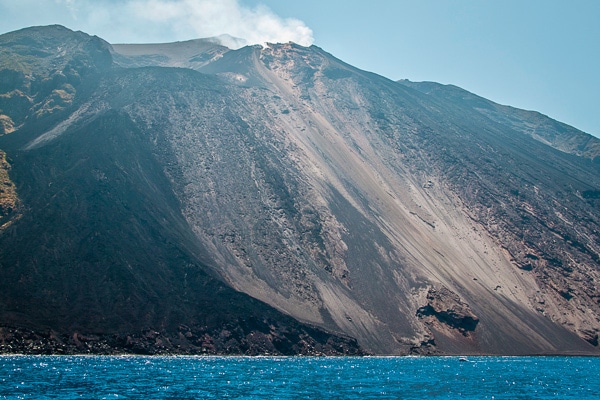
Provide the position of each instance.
(146, 21)
(212, 18)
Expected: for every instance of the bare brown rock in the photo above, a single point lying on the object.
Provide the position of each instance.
(9, 200)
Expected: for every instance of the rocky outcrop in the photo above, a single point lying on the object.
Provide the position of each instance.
(446, 307)
(9, 200)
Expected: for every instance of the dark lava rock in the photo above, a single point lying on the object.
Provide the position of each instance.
(447, 307)
(272, 339)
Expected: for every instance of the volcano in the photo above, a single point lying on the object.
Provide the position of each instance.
(189, 198)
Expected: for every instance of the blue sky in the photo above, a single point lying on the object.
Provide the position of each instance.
(532, 54)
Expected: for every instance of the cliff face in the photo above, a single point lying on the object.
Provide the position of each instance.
(414, 220)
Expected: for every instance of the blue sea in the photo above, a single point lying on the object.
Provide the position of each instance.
(133, 377)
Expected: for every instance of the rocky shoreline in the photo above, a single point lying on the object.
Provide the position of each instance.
(186, 341)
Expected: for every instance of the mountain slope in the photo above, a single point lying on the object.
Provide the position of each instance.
(553, 133)
(189, 54)
(401, 160)
(100, 246)
(409, 220)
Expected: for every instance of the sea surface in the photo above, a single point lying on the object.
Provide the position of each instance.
(133, 377)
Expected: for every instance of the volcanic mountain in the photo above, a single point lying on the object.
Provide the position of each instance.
(186, 197)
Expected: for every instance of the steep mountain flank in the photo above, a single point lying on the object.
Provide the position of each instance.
(553, 133)
(102, 251)
(413, 220)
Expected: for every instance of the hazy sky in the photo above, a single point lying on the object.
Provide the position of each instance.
(541, 55)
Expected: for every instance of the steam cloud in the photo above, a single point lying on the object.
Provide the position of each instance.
(212, 18)
(145, 21)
